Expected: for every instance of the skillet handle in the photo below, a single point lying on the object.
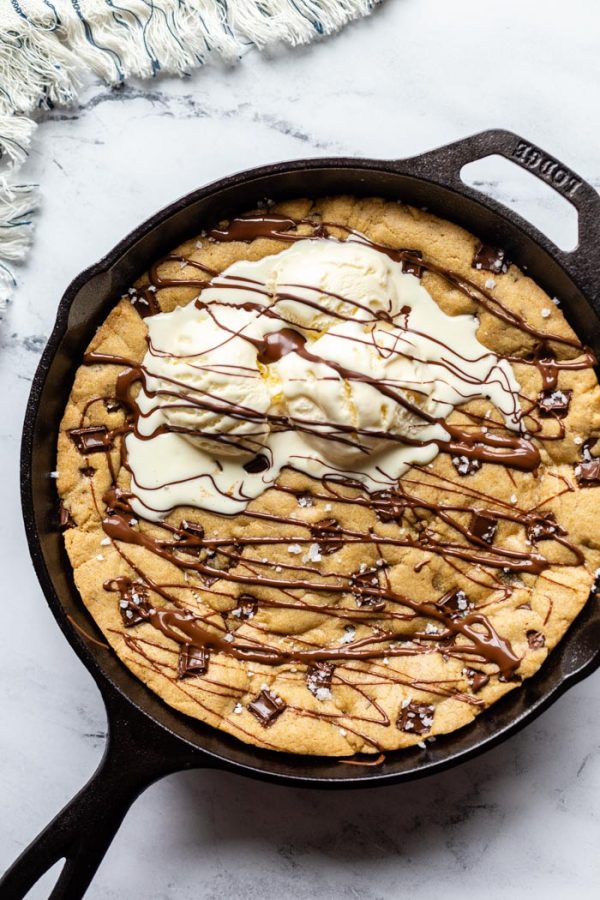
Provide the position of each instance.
(136, 755)
(444, 165)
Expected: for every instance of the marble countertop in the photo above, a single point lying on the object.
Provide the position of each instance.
(521, 821)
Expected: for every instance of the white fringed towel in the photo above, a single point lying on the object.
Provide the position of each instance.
(47, 46)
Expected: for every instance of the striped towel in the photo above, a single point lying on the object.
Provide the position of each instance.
(47, 46)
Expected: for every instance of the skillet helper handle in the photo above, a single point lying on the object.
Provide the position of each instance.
(444, 164)
(83, 831)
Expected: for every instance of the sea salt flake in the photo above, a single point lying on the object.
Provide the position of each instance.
(229, 638)
(490, 284)
(323, 693)
(105, 541)
(54, 474)
(314, 554)
(546, 313)
(422, 745)
(431, 629)
(513, 498)
(577, 439)
(349, 635)
(100, 558)
(278, 568)
(238, 708)
(556, 301)
(294, 548)
(328, 507)
(305, 501)
(343, 732)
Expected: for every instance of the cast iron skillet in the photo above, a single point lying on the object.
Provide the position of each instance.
(148, 739)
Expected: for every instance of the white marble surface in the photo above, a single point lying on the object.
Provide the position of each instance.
(521, 821)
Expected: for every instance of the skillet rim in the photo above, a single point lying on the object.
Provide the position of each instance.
(107, 685)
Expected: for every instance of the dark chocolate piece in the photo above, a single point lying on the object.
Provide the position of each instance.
(465, 465)
(112, 404)
(192, 528)
(536, 640)
(483, 527)
(415, 718)
(92, 439)
(260, 463)
(588, 472)
(65, 519)
(388, 506)
(492, 259)
(410, 267)
(246, 606)
(319, 675)
(88, 471)
(324, 532)
(133, 606)
(544, 529)
(455, 603)
(554, 402)
(477, 679)
(192, 661)
(144, 303)
(360, 582)
(267, 707)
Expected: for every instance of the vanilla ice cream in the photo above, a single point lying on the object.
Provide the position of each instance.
(373, 369)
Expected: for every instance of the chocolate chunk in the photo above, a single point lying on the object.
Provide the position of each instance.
(260, 463)
(410, 266)
(133, 606)
(144, 303)
(246, 607)
(319, 675)
(327, 534)
(454, 604)
(112, 404)
(543, 529)
(477, 679)
(190, 538)
(415, 718)
(192, 528)
(554, 402)
(388, 506)
(465, 465)
(93, 439)
(267, 707)
(192, 661)
(595, 588)
(588, 472)
(483, 527)
(536, 640)
(362, 583)
(305, 499)
(492, 259)
(88, 471)
(65, 519)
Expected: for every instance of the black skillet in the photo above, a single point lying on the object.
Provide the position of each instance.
(146, 738)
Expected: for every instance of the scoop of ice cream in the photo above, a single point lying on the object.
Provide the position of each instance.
(326, 357)
(338, 402)
(202, 378)
(316, 283)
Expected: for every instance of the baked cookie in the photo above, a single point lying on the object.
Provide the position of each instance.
(328, 478)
